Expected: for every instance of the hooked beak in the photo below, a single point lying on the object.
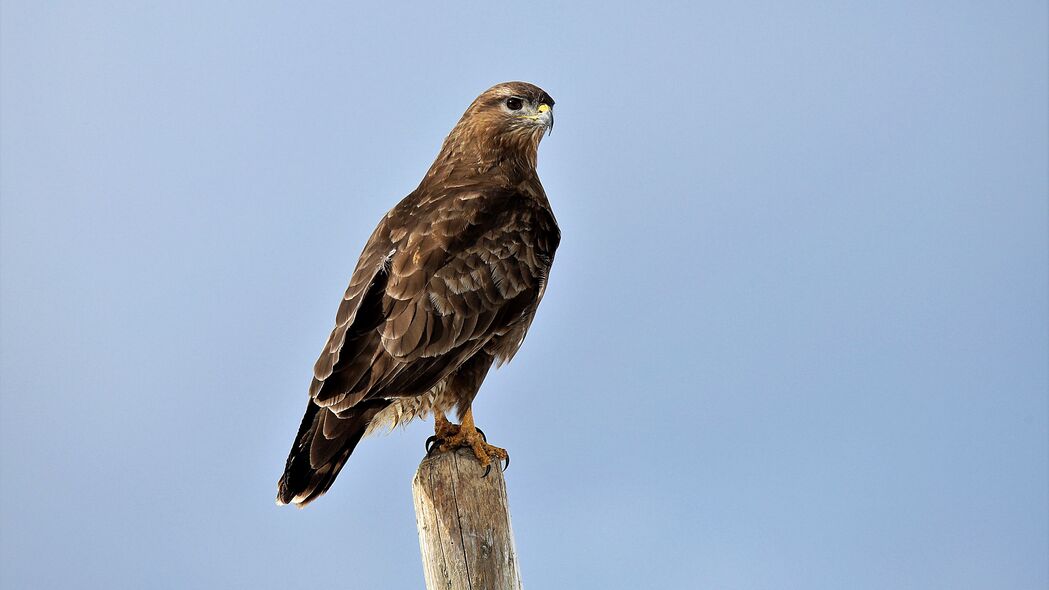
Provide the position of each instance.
(544, 115)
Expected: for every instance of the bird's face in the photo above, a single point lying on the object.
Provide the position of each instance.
(515, 108)
(529, 113)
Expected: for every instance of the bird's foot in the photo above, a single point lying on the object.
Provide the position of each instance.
(448, 437)
(474, 440)
(442, 431)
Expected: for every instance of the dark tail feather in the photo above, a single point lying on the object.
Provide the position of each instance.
(321, 448)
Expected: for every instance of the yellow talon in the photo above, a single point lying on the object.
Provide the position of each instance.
(466, 435)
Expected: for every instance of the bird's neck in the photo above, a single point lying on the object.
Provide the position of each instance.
(503, 159)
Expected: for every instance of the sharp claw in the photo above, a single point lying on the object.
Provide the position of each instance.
(431, 444)
(507, 466)
(481, 432)
(487, 470)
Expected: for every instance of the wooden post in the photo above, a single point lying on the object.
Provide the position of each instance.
(464, 524)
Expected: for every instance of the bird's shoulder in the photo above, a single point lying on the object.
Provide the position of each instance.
(454, 217)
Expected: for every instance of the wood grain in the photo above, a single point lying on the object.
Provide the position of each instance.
(464, 525)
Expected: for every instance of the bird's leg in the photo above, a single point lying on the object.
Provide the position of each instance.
(469, 436)
(442, 431)
(443, 428)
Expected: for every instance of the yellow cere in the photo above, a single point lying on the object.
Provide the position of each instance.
(543, 108)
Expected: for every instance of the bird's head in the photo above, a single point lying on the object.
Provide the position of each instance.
(506, 122)
(515, 108)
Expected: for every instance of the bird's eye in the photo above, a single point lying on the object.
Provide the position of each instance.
(514, 104)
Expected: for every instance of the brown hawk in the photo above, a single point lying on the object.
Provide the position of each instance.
(448, 284)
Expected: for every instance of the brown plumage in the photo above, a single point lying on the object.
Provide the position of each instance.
(448, 283)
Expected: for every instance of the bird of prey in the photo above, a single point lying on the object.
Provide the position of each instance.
(447, 285)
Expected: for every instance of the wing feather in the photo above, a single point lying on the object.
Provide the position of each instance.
(435, 284)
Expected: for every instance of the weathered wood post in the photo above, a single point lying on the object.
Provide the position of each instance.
(464, 524)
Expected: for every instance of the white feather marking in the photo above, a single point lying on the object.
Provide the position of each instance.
(405, 409)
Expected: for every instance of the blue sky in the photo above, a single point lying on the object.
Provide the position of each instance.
(796, 334)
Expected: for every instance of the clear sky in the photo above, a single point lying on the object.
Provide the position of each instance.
(796, 334)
